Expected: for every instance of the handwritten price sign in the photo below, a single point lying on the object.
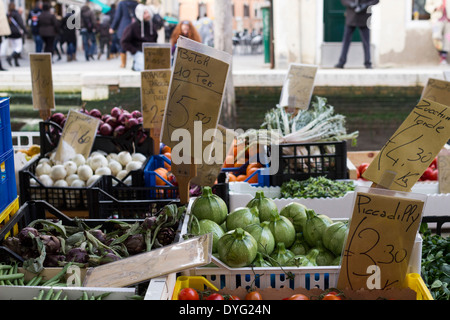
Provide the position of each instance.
(156, 56)
(298, 86)
(42, 83)
(195, 93)
(78, 136)
(154, 87)
(380, 240)
(414, 145)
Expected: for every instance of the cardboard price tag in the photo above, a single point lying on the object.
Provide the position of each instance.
(156, 56)
(438, 91)
(195, 94)
(298, 86)
(406, 155)
(444, 171)
(78, 136)
(380, 239)
(42, 83)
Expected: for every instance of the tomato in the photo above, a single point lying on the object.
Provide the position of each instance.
(427, 174)
(298, 296)
(332, 296)
(362, 167)
(215, 296)
(234, 298)
(188, 294)
(253, 295)
(434, 175)
(433, 164)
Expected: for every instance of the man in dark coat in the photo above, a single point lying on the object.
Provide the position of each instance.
(356, 16)
(88, 22)
(48, 28)
(33, 18)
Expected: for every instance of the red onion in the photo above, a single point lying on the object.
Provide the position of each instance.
(119, 130)
(57, 117)
(136, 114)
(95, 113)
(131, 123)
(123, 118)
(115, 112)
(141, 120)
(112, 121)
(106, 130)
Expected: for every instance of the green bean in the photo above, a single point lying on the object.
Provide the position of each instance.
(59, 275)
(84, 296)
(35, 281)
(9, 277)
(40, 295)
(57, 295)
(49, 294)
(52, 283)
(5, 267)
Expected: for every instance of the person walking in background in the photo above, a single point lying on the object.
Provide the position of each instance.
(104, 37)
(186, 29)
(205, 27)
(15, 39)
(124, 16)
(115, 44)
(33, 18)
(88, 22)
(5, 30)
(140, 31)
(69, 36)
(48, 28)
(439, 11)
(356, 16)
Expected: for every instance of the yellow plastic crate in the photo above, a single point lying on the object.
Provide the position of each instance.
(8, 213)
(413, 281)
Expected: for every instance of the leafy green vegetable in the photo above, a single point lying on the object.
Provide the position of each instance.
(316, 187)
(435, 270)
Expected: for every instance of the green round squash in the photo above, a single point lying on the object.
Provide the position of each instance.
(266, 206)
(283, 230)
(237, 248)
(263, 236)
(209, 206)
(299, 247)
(242, 217)
(296, 213)
(260, 261)
(334, 237)
(325, 257)
(314, 228)
(205, 226)
(280, 256)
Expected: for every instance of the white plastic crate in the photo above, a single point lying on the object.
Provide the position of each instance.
(19, 138)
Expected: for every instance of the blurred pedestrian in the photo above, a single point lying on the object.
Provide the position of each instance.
(439, 11)
(5, 30)
(205, 27)
(186, 29)
(140, 31)
(124, 16)
(48, 28)
(57, 41)
(69, 36)
(15, 39)
(33, 17)
(356, 16)
(88, 22)
(104, 37)
(115, 44)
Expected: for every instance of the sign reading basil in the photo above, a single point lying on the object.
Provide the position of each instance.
(406, 155)
(380, 239)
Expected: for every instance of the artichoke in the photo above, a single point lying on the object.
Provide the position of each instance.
(77, 255)
(166, 236)
(109, 257)
(99, 235)
(25, 238)
(51, 260)
(52, 244)
(135, 243)
(149, 223)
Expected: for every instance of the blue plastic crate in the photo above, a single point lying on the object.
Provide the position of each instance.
(166, 191)
(8, 188)
(5, 127)
(262, 173)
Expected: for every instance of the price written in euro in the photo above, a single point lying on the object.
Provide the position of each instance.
(406, 155)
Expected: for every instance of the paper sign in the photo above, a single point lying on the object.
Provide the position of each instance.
(156, 56)
(77, 137)
(195, 96)
(444, 171)
(42, 83)
(298, 86)
(207, 172)
(438, 91)
(380, 240)
(154, 87)
(406, 155)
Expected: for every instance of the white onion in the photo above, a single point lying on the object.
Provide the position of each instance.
(85, 172)
(112, 156)
(98, 152)
(138, 157)
(98, 161)
(71, 178)
(128, 181)
(79, 159)
(61, 183)
(103, 171)
(43, 168)
(46, 180)
(115, 167)
(44, 160)
(58, 172)
(92, 180)
(78, 184)
(124, 157)
(133, 165)
(71, 167)
(33, 182)
(122, 174)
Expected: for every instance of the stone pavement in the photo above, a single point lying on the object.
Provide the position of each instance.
(94, 78)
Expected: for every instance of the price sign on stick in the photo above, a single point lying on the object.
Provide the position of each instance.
(444, 171)
(298, 86)
(154, 87)
(406, 155)
(78, 136)
(438, 91)
(193, 103)
(42, 83)
(381, 238)
(156, 56)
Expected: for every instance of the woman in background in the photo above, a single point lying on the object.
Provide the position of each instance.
(439, 11)
(186, 29)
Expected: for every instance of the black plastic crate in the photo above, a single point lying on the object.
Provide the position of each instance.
(300, 161)
(34, 210)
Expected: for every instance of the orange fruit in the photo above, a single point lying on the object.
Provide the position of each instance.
(166, 149)
(231, 177)
(253, 165)
(241, 177)
(253, 179)
(163, 173)
(168, 155)
(229, 161)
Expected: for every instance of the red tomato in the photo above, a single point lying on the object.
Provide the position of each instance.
(215, 296)
(188, 294)
(362, 167)
(434, 175)
(298, 296)
(234, 298)
(332, 296)
(427, 174)
(253, 295)
(434, 163)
